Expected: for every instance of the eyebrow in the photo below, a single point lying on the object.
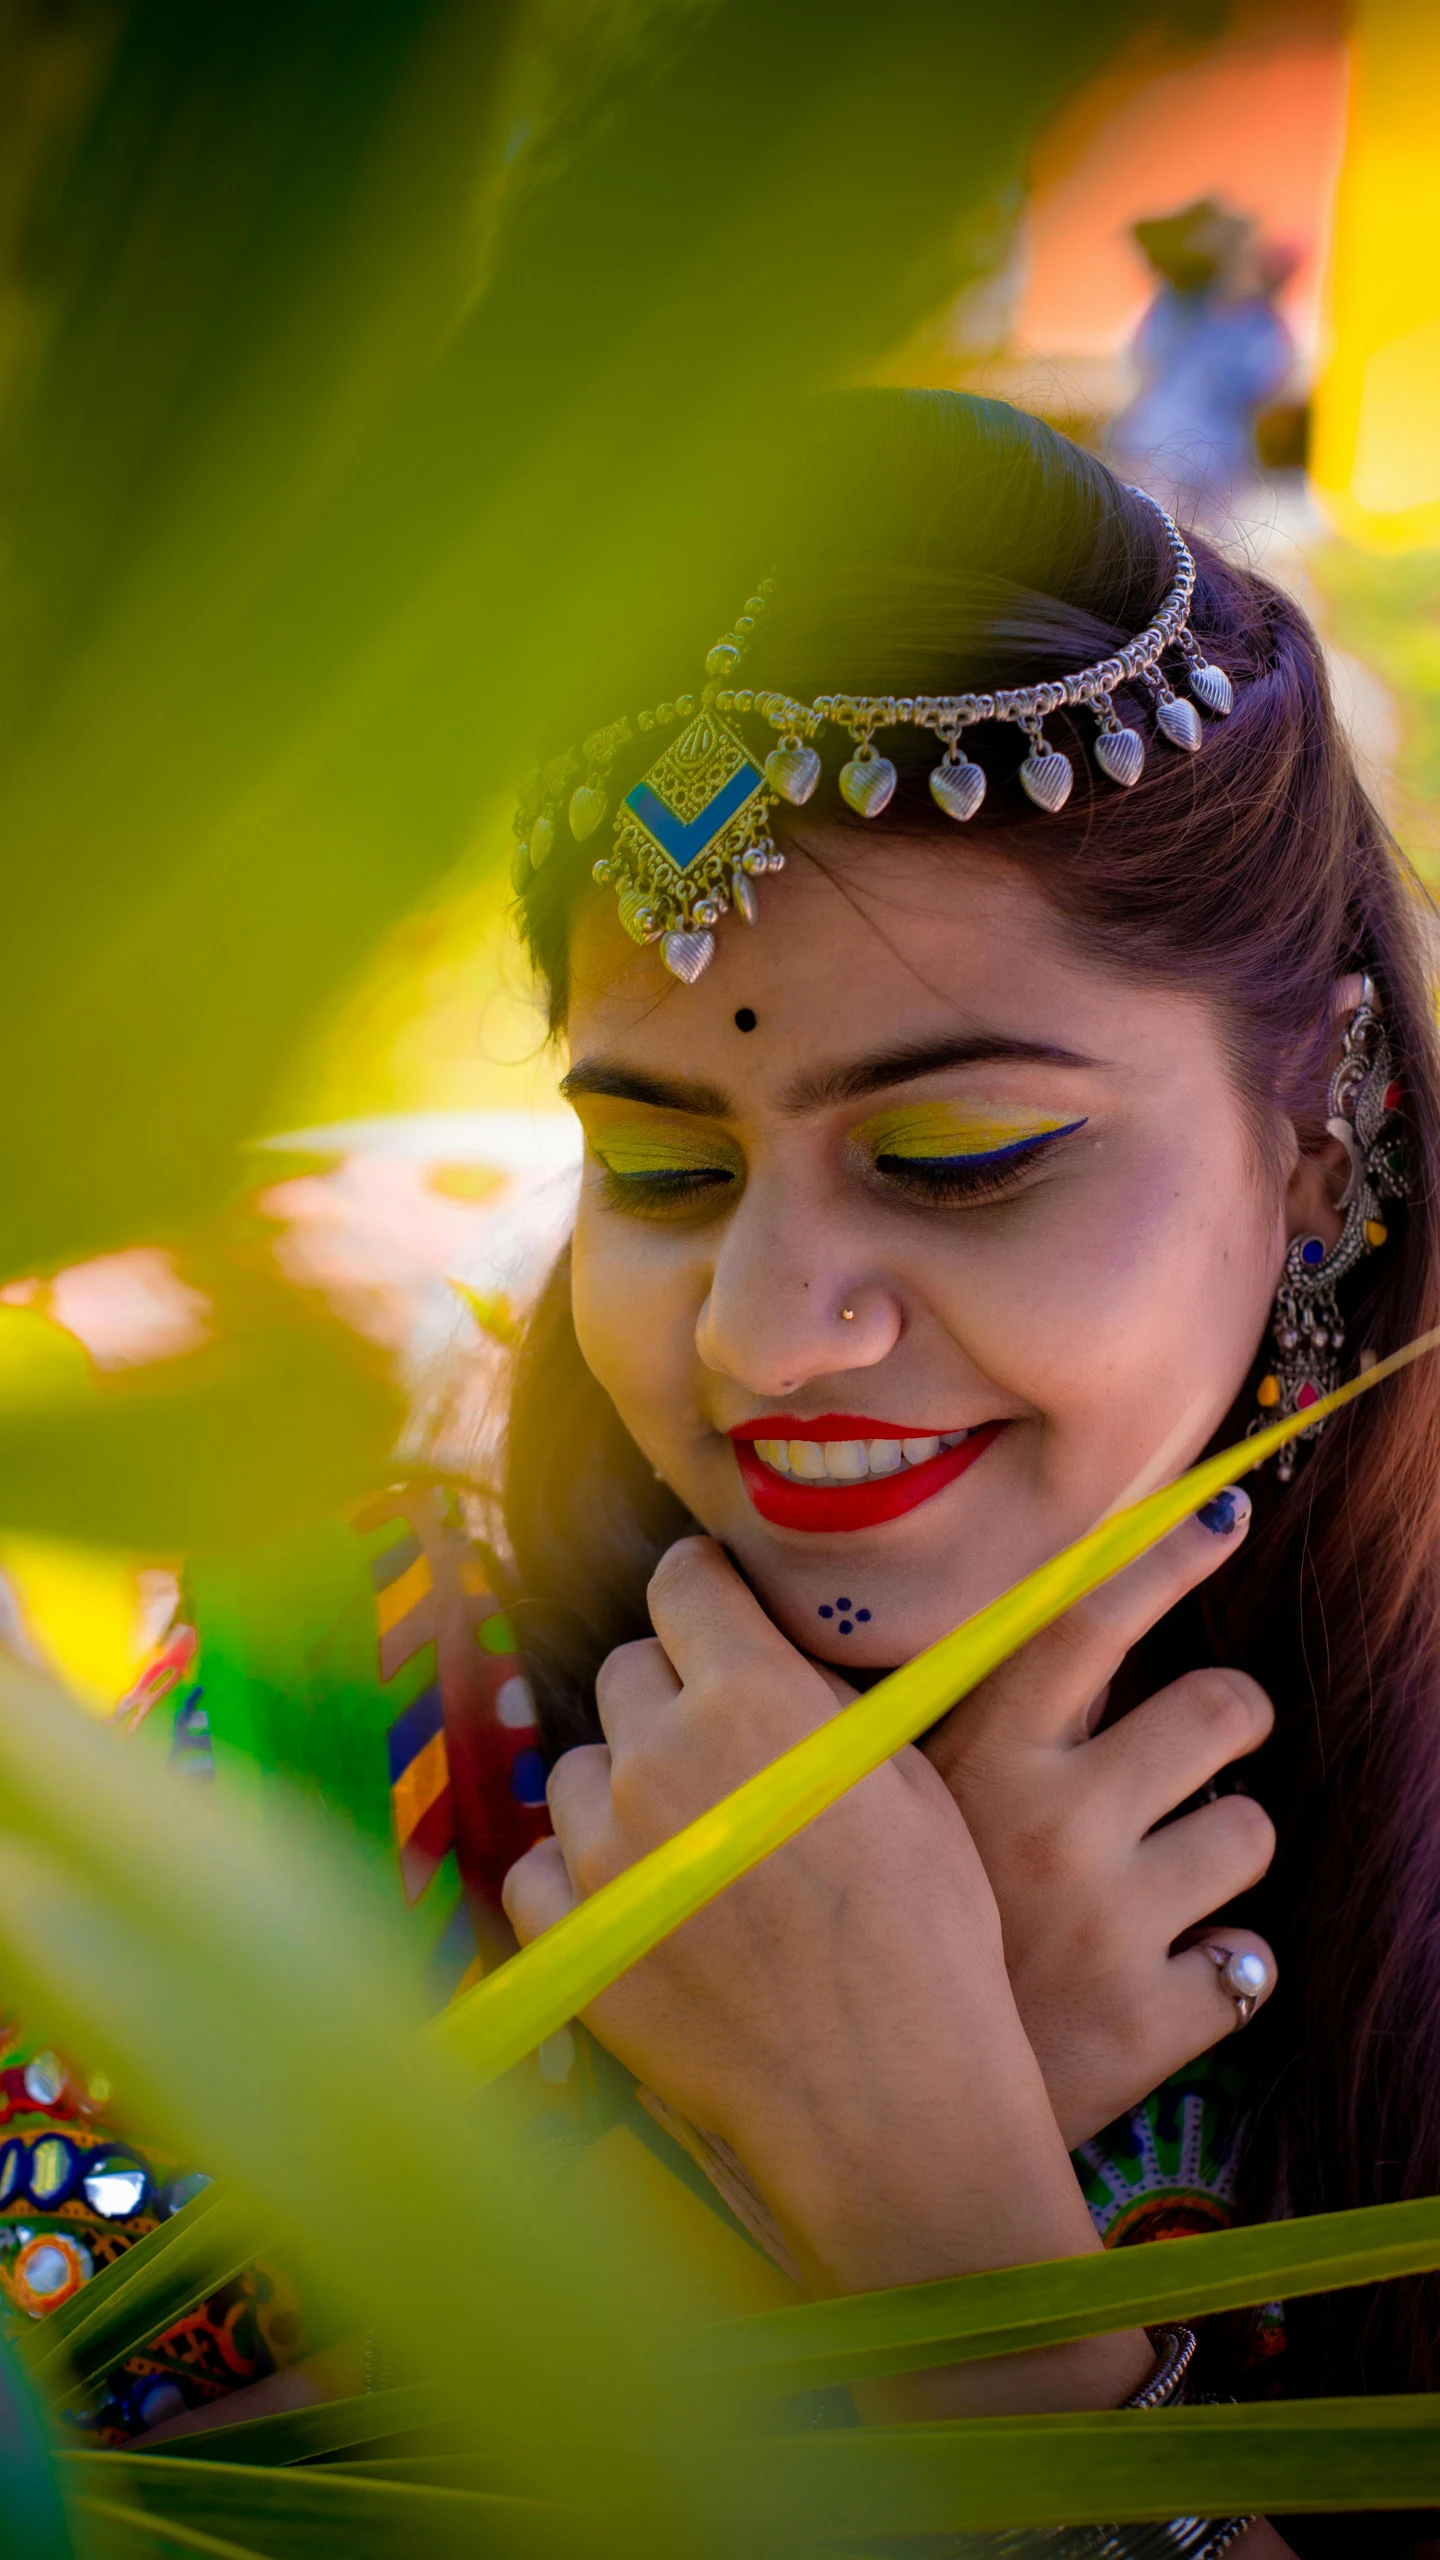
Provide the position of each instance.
(663, 1093)
(848, 1081)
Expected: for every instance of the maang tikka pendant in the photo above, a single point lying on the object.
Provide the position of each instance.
(689, 840)
(1306, 1325)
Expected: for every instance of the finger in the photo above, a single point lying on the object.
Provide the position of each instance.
(1221, 1982)
(1043, 1694)
(1184, 2007)
(1177, 1741)
(537, 1891)
(634, 1684)
(1207, 1858)
(711, 1625)
(577, 1792)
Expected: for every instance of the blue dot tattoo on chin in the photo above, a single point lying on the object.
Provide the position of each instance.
(849, 1616)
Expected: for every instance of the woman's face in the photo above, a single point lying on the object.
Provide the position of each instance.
(909, 1242)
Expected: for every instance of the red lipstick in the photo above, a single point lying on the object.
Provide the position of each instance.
(788, 1503)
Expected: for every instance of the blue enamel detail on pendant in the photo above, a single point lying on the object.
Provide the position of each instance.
(683, 843)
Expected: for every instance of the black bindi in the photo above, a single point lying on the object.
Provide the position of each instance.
(745, 1020)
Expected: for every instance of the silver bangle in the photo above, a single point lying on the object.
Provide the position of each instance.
(1174, 2354)
(1182, 2538)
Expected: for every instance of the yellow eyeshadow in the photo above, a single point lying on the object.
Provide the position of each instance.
(919, 1131)
(639, 1147)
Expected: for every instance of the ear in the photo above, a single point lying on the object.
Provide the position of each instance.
(1313, 1192)
(1322, 1168)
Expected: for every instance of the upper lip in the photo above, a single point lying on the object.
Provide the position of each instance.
(837, 1426)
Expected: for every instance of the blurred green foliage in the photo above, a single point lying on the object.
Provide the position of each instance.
(382, 351)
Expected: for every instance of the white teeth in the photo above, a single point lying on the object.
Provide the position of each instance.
(852, 1461)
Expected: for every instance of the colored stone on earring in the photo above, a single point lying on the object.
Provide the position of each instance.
(1312, 1252)
(1268, 1392)
(1308, 1394)
(1375, 1232)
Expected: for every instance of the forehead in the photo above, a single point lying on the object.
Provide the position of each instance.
(862, 950)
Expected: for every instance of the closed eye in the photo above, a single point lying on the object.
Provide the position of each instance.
(985, 1175)
(661, 1165)
(663, 1190)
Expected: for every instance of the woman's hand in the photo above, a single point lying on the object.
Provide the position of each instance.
(1092, 1897)
(842, 2016)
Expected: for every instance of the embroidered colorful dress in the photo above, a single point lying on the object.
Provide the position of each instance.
(368, 1663)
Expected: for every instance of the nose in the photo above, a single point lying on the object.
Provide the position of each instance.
(787, 1304)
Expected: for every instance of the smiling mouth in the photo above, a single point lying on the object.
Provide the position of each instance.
(846, 1471)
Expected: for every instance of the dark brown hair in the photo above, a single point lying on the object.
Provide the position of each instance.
(933, 542)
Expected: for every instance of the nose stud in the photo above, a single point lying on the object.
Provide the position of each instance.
(847, 1315)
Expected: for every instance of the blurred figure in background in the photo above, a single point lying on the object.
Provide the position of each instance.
(1211, 351)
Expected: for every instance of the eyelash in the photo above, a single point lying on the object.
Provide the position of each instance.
(656, 1195)
(938, 1181)
(949, 1181)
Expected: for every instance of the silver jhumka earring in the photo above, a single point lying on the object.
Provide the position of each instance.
(693, 836)
(1306, 1326)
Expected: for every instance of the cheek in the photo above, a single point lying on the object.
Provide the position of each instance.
(635, 1297)
(1136, 1299)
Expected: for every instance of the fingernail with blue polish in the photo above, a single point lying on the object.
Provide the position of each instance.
(1224, 1512)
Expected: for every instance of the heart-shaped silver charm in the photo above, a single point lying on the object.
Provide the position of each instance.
(1120, 753)
(792, 772)
(687, 954)
(587, 808)
(1179, 722)
(742, 890)
(1048, 778)
(1212, 686)
(542, 837)
(868, 783)
(635, 914)
(958, 788)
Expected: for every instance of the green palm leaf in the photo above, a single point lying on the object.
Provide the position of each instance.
(508, 2014)
(113, 2532)
(1007, 2309)
(331, 2427)
(1107, 2466)
(316, 2515)
(834, 2488)
(30, 2502)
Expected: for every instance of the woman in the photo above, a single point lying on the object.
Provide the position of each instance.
(981, 1186)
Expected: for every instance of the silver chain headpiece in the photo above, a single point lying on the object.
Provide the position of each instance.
(693, 835)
